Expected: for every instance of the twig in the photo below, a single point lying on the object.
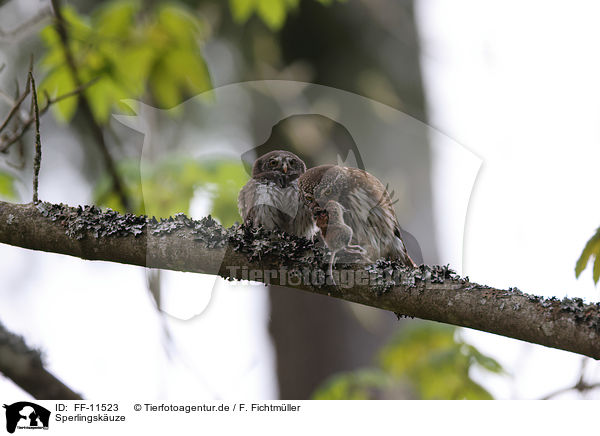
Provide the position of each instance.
(25, 367)
(27, 24)
(72, 93)
(581, 385)
(37, 160)
(6, 142)
(16, 106)
(7, 98)
(20, 164)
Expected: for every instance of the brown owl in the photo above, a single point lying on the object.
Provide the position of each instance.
(369, 211)
(271, 197)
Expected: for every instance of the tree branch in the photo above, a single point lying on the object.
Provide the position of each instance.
(17, 105)
(27, 25)
(182, 244)
(24, 366)
(86, 109)
(37, 160)
(6, 140)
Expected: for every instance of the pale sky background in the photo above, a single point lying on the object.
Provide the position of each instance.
(516, 83)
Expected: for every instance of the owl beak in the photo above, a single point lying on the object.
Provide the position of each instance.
(285, 168)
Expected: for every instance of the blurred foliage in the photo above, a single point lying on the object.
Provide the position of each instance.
(591, 250)
(7, 187)
(272, 12)
(129, 50)
(362, 384)
(165, 188)
(425, 360)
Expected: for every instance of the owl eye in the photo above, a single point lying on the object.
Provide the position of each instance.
(272, 163)
(309, 197)
(327, 191)
(293, 164)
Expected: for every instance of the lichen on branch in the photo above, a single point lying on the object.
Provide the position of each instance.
(182, 244)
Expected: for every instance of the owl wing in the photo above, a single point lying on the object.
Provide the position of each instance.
(246, 198)
(304, 224)
(374, 223)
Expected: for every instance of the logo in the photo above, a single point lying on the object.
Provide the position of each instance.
(26, 415)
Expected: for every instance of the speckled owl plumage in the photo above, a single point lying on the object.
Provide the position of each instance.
(369, 211)
(271, 198)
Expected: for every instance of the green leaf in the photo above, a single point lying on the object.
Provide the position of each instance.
(57, 83)
(156, 54)
(357, 385)
(592, 248)
(164, 88)
(78, 26)
(50, 37)
(330, 2)
(179, 24)
(167, 186)
(189, 69)
(484, 361)
(241, 10)
(424, 360)
(596, 272)
(272, 13)
(103, 96)
(116, 18)
(7, 188)
(131, 66)
(414, 343)
(474, 391)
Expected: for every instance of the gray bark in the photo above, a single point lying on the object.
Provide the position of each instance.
(181, 244)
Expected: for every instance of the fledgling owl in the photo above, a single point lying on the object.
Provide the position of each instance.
(337, 234)
(369, 211)
(271, 197)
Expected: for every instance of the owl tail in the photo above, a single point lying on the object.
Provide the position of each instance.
(401, 254)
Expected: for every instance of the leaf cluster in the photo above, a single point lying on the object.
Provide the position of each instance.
(425, 360)
(272, 12)
(132, 52)
(167, 187)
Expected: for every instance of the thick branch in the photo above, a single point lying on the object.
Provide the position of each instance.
(181, 244)
(24, 366)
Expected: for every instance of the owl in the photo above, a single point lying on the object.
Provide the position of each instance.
(369, 211)
(271, 197)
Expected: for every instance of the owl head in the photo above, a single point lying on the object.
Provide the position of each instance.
(278, 166)
(322, 184)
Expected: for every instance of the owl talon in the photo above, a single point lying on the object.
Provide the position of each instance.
(330, 270)
(356, 249)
